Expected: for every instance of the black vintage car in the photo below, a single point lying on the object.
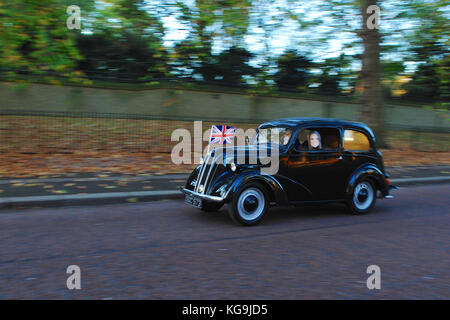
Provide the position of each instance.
(319, 160)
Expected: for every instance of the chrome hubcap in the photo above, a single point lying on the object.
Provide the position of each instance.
(251, 204)
(363, 195)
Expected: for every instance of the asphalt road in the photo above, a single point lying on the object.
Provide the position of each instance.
(167, 250)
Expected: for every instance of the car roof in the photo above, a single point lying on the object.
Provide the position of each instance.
(295, 122)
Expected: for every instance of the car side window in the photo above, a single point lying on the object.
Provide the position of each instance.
(317, 139)
(355, 141)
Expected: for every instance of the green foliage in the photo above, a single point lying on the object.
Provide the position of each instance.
(430, 82)
(429, 47)
(134, 18)
(335, 76)
(124, 39)
(128, 57)
(34, 37)
(231, 66)
(293, 71)
(209, 20)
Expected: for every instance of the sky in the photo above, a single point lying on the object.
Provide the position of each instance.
(285, 37)
(288, 35)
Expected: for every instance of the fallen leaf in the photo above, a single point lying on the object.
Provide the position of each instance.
(59, 191)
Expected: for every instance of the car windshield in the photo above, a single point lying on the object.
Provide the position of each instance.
(276, 135)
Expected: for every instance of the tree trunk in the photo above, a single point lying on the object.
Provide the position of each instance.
(371, 111)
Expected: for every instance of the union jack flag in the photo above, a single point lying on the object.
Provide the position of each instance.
(222, 134)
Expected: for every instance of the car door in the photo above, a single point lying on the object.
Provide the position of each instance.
(357, 150)
(320, 171)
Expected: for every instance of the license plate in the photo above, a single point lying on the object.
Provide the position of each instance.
(193, 201)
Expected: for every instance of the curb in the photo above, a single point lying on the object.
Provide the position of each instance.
(89, 199)
(410, 181)
(145, 196)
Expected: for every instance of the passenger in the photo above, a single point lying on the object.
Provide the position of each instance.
(287, 137)
(314, 141)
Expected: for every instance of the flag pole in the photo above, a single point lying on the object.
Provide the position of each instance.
(209, 142)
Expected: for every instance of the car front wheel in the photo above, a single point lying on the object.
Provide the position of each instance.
(249, 204)
(363, 197)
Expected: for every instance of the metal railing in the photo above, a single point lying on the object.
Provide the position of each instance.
(28, 131)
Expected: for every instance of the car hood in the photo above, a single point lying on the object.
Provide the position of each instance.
(250, 154)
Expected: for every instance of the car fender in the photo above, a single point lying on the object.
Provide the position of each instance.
(193, 175)
(370, 171)
(274, 186)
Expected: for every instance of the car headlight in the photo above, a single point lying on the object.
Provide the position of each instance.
(233, 166)
(222, 190)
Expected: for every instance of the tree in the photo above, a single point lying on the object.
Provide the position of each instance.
(335, 76)
(293, 71)
(424, 85)
(232, 66)
(191, 59)
(429, 49)
(208, 21)
(126, 43)
(129, 57)
(371, 111)
(136, 18)
(328, 84)
(35, 39)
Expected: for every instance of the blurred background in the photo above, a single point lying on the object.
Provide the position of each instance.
(102, 88)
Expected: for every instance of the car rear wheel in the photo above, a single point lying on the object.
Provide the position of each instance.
(363, 197)
(211, 206)
(249, 204)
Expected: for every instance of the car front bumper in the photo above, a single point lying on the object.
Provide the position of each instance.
(202, 195)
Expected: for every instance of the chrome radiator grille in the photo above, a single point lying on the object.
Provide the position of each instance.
(205, 172)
